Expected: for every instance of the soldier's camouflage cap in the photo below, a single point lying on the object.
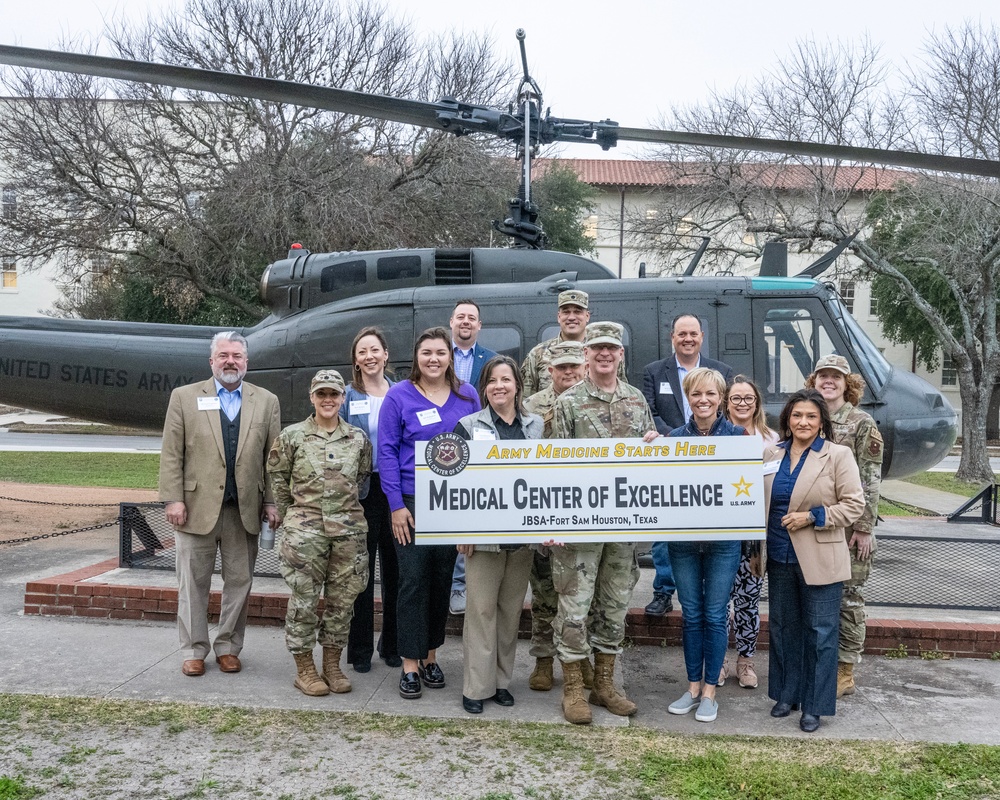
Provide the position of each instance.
(833, 361)
(566, 353)
(327, 379)
(574, 297)
(603, 333)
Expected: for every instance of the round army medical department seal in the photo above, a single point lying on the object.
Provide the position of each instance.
(447, 454)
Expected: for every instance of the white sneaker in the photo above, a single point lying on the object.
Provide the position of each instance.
(707, 711)
(457, 603)
(683, 704)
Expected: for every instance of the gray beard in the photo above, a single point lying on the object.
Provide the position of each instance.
(230, 378)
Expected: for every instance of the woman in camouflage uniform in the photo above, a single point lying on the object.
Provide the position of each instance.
(316, 468)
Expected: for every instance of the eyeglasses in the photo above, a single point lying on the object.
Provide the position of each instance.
(749, 400)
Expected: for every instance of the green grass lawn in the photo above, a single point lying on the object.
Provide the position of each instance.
(123, 470)
(631, 762)
(945, 482)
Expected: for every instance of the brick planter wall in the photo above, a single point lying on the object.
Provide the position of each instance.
(68, 595)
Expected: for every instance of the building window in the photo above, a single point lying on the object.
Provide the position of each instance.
(9, 266)
(847, 295)
(590, 226)
(8, 202)
(873, 306)
(949, 372)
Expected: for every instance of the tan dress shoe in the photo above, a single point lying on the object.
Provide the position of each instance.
(228, 663)
(193, 667)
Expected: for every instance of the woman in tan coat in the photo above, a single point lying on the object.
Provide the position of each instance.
(813, 491)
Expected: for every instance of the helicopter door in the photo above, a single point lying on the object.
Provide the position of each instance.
(791, 335)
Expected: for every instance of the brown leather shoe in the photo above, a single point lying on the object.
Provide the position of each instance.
(193, 667)
(228, 663)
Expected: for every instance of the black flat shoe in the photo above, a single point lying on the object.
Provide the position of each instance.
(472, 706)
(809, 722)
(392, 661)
(503, 698)
(363, 666)
(431, 675)
(409, 686)
(784, 709)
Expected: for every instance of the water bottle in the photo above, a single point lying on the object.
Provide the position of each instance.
(266, 536)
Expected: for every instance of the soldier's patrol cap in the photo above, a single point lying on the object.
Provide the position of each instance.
(833, 361)
(566, 353)
(327, 379)
(574, 297)
(603, 333)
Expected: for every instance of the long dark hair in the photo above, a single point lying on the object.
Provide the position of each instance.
(444, 335)
(486, 374)
(356, 380)
(806, 396)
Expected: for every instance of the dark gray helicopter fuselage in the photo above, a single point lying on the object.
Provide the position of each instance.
(772, 329)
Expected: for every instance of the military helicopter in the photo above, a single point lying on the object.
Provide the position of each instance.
(769, 326)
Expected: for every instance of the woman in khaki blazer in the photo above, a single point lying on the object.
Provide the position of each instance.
(812, 493)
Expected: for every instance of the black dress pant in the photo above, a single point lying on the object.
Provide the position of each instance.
(381, 541)
(424, 593)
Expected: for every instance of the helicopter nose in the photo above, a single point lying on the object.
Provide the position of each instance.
(921, 423)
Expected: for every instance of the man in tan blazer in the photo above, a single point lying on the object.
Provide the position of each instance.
(215, 442)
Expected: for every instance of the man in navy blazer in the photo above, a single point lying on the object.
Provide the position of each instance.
(469, 355)
(661, 384)
(470, 358)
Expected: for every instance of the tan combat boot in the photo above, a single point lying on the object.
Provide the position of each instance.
(845, 679)
(588, 673)
(575, 707)
(541, 675)
(604, 692)
(308, 681)
(332, 674)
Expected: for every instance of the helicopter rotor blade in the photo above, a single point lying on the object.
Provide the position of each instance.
(393, 109)
(895, 158)
(464, 118)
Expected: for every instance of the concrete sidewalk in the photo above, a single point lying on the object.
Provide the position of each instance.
(907, 699)
(930, 500)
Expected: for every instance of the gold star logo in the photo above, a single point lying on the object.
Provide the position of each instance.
(742, 487)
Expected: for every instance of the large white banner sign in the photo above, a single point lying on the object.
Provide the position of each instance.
(588, 490)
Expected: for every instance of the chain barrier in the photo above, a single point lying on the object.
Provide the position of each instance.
(40, 536)
(51, 503)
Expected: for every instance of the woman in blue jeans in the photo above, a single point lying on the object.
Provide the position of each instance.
(704, 571)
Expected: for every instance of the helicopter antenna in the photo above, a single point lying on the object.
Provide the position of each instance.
(522, 223)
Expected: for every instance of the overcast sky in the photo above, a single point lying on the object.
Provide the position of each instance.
(627, 60)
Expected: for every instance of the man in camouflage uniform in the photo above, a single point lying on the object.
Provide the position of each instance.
(573, 315)
(316, 468)
(566, 366)
(596, 579)
(855, 429)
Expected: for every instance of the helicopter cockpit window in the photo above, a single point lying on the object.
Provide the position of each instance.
(795, 340)
(871, 362)
(343, 275)
(398, 268)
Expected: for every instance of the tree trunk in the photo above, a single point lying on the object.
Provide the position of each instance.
(974, 466)
(993, 415)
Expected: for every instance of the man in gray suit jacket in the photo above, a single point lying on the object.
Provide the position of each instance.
(662, 386)
(216, 438)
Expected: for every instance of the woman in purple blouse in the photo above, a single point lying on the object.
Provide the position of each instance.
(430, 402)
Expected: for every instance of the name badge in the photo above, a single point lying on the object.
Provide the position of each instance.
(665, 387)
(360, 407)
(770, 467)
(428, 416)
(209, 404)
(483, 435)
